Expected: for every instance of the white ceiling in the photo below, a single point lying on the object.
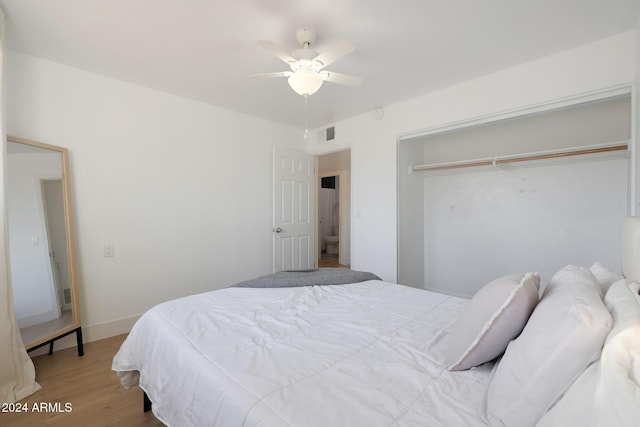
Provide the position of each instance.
(204, 49)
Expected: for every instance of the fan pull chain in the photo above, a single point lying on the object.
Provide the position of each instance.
(306, 116)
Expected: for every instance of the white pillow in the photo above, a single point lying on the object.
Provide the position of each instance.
(605, 276)
(563, 336)
(607, 393)
(495, 315)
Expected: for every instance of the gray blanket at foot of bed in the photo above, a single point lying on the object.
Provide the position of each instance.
(313, 277)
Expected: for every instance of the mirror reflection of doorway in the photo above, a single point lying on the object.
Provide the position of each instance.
(43, 280)
(54, 217)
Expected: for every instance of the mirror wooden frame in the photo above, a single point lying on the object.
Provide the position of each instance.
(75, 326)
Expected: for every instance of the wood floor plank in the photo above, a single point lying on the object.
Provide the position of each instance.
(92, 391)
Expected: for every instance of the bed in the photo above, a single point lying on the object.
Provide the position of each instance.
(307, 349)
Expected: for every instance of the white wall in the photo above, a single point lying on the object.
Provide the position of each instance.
(591, 123)
(180, 188)
(602, 64)
(485, 223)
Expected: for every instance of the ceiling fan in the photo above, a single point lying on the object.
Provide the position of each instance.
(307, 66)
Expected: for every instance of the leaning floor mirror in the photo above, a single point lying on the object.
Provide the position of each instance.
(41, 243)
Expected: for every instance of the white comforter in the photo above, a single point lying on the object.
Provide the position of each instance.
(363, 354)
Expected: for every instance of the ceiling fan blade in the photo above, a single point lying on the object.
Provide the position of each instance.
(277, 50)
(269, 75)
(334, 52)
(344, 79)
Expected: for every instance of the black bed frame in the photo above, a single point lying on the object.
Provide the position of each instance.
(146, 403)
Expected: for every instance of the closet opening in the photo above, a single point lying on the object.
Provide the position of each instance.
(530, 192)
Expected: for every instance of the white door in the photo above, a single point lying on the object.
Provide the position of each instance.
(293, 210)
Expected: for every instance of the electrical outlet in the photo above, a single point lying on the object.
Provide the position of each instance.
(109, 251)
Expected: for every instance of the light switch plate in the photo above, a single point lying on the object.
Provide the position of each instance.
(109, 251)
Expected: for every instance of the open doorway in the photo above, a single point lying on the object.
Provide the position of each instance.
(53, 197)
(334, 209)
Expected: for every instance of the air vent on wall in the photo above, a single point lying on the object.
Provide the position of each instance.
(326, 135)
(331, 133)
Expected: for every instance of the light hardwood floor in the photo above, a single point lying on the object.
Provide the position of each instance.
(330, 261)
(86, 383)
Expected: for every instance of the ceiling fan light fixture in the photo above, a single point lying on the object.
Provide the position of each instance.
(305, 81)
(307, 66)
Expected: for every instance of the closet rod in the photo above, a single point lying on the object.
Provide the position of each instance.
(522, 158)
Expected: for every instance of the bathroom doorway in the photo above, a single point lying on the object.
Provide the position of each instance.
(329, 219)
(334, 209)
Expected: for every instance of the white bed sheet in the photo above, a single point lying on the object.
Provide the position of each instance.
(363, 354)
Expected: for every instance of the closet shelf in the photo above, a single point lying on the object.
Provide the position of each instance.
(525, 157)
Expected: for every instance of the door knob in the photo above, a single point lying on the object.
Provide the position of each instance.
(278, 230)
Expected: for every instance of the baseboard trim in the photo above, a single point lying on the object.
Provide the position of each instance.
(109, 329)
